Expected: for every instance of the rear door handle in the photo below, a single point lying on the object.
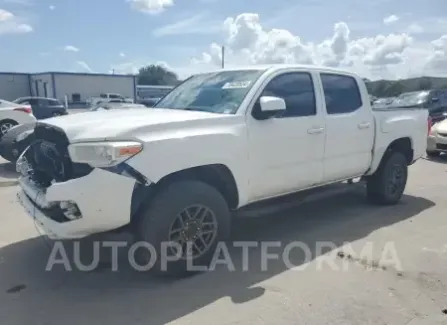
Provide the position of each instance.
(315, 130)
(365, 125)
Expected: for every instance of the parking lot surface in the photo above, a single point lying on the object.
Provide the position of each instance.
(354, 290)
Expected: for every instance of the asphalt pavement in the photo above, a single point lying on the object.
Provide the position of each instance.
(402, 280)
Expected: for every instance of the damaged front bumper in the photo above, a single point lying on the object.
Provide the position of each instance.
(102, 200)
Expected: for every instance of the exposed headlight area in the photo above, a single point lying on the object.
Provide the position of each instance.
(124, 169)
(70, 210)
(103, 154)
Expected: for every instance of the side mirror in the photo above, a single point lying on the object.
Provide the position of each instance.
(435, 100)
(271, 106)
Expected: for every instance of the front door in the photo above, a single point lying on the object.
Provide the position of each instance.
(286, 152)
(349, 127)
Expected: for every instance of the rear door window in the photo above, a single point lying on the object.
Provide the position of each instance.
(43, 102)
(341, 93)
(54, 102)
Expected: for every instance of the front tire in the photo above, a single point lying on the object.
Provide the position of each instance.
(192, 214)
(387, 184)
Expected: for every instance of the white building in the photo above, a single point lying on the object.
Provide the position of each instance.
(78, 87)
(14, 85)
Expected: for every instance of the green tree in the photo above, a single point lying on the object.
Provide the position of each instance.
(156, 75)
(425, 84)
(395, 89)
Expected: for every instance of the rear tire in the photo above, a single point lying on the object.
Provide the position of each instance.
(5, 126)
(433, 154)
(387, 184)
(156, 224)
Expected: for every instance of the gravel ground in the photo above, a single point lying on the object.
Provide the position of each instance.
(406, 288)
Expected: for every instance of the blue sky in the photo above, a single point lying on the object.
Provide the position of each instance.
(115, 34)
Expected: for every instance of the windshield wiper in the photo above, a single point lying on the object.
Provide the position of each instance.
(199, 109)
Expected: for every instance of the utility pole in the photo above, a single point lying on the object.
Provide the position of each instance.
(223, 57)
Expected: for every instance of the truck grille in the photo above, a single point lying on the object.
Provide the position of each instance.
(48, 160)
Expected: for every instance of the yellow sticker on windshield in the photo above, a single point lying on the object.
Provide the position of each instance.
(236, 84)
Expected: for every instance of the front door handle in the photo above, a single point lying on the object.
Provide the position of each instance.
(365, 125)
(315, 130)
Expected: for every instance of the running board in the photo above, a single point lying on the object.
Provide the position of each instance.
(278, 204)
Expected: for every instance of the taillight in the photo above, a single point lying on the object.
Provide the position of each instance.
(24, 109)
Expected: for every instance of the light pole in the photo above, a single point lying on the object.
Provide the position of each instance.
(223, 57)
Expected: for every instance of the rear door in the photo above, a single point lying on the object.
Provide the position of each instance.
(349, 127)
(44, 108)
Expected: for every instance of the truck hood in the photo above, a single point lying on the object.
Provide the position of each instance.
(116, 124)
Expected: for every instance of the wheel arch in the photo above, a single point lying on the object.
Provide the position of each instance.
(403, 145)
(8, 120)
(217, 175)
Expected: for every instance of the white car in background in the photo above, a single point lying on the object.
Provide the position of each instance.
(12, 114)
(94, 101)
(437, 139)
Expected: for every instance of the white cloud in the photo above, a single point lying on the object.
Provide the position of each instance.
(51, 7)
(384, 50)
(19, 2)
(11, 24)
(125, 68)
(71, 48)
(390, 19)
(196, 24)
(151, 7)
(5, 15)
(396, 55)
(122, 55)
(415, 28)
(437, 62)
(132, 67)
(84, 65)
(440, 44)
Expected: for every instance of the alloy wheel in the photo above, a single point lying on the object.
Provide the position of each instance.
(396, 180)
(194, 231)
(4, 128)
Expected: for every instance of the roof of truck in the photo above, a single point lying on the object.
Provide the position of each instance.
(275, 67)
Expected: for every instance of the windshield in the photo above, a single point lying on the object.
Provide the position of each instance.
(217, 92)
(411, 99)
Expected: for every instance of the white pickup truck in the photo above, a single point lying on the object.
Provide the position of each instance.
(218, 142)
